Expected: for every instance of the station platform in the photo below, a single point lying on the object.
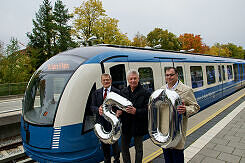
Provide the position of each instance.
(224, 142)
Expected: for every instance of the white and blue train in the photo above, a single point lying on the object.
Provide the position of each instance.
(57, 123)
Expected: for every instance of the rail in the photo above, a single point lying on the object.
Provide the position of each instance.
(11, 150)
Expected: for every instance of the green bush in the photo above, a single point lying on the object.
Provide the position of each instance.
(12, 88)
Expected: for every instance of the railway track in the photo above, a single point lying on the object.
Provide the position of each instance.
(11, 151)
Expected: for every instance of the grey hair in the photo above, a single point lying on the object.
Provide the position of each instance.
(132, 72)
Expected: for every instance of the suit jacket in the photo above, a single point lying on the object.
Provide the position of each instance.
(97, 101)
(187, 96)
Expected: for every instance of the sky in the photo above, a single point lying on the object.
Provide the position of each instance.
(216, 21)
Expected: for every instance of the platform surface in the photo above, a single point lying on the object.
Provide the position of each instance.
(216, 134)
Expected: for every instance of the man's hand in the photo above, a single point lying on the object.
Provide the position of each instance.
(131, 110)
(181, 109)
(100, 110)
(118, 113)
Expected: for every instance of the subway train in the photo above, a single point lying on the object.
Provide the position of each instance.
(56, 120)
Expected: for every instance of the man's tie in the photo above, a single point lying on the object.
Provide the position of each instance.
(105, 94)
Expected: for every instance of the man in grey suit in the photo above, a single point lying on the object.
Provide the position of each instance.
(97, 100)
(189, 107)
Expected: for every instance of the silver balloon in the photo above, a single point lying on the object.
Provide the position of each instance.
(112, 99)
(164, 122)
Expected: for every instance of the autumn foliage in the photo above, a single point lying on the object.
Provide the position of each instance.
(191, 41)
(139, 40)
(91, 20)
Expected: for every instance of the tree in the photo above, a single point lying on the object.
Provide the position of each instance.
(107, 32)
(2, 68)
(91, 21)
(62, 38)
(11, 53)
(205, 49)
(163, 39)
(42, 34)
(50, 34)
(12, 47)
(1, 50)
(219, 50)
(139, 40)
(191, 41)
(15, 66)
(236, 51)
(86, 16)
(1, 60)
(227, 50)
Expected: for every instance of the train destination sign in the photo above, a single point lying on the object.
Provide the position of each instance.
(58, 66)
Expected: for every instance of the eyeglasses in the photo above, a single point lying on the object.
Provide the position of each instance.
(169, 75)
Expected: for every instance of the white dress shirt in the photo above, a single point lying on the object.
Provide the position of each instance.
(108, 90)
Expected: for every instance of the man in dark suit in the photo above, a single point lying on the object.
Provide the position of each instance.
(97, 100)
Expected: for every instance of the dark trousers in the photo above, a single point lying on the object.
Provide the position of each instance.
(107, 152)
(173, 155)
(138, 142)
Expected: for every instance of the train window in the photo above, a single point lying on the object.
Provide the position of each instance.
(118, 76)
(236, 75)
(223, 72)
(42, 96)
(89, 116)
(196, 76)
(210, 74)
(219, 73)
(180, 74)
(229, 72)
(46, 87)
(146, 78)
(241, 72)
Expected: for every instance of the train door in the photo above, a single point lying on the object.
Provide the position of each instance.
(241, 73)
(243, 82)
(182, 71)
(236, 75)
(164, 63)
(117, 67)
(178, 64)
(150, 74)
(222, 78)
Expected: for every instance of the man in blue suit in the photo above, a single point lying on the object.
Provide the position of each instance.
(97, 100)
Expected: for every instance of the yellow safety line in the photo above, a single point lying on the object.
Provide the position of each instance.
(152, 156)
(159, 151)
(212, 116)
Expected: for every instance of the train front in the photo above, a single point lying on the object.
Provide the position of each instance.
(50, 127)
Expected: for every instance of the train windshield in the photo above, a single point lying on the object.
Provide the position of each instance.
(45, 88)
